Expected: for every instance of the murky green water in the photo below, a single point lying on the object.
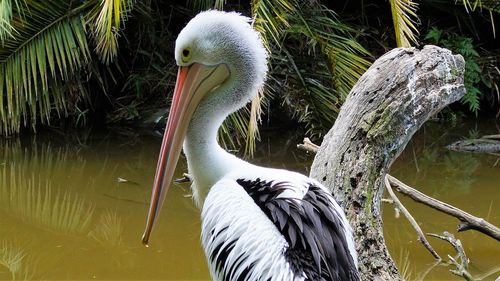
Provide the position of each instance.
(466, 180)
(74, 207)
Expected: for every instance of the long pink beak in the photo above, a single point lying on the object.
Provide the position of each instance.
(193, 83)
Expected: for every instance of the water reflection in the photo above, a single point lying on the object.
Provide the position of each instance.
(78, 204)
(466, 180)
(456, 169)
(109, 230)
(32, 200)
(15, 260)
(74, 207)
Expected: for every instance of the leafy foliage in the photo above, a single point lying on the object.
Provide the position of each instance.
(405, 19)
(106, 21)
(61, 58)
(5, 18)
(45, 50)
(313, 91)
(45, 56)
(465, 47)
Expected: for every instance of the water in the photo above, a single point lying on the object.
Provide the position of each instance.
(74, 207)
(466, 180)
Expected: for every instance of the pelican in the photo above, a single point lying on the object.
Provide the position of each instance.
(257, 223)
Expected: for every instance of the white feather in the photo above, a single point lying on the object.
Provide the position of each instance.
(257, 239)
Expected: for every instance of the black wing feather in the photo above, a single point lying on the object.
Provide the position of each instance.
(313, 230)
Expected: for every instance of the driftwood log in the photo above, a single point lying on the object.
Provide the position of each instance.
(388, 104)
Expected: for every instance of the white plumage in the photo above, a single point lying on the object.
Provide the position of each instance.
(257, 223)
(257, 240)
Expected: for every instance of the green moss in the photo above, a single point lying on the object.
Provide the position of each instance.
(381, 127)
(454, 71)
(372, 177)
(369, 202)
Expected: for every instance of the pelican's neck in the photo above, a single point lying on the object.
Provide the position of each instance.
(207, 161)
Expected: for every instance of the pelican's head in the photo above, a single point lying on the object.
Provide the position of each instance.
(222, 63)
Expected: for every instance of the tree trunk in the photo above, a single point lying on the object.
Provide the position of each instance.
(388, 104)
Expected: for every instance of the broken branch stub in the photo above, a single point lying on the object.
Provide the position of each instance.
(388, 104)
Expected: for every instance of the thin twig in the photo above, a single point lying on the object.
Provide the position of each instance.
(491, 137)
(387, 200)
(308, 146)
(462, 267)
(413, 222)
(467, 221)
(185, 178)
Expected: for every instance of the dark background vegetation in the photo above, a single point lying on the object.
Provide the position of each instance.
(121, 70)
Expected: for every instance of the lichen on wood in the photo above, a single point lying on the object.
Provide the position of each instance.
(388, 104)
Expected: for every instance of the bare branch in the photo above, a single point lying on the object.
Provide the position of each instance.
(308, 146)
(462, 267)
(413, 222)
(467, 221)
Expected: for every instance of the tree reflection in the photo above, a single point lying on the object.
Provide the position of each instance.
(32, 199)
(430, 162)
(108, 230)
(15, 260)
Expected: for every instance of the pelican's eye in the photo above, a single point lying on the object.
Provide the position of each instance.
(186, 55)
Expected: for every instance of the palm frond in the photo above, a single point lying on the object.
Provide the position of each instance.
(308, 92)
(6, 14)
(5, 18)
(493, 6)
(106, 21)
(472, 5)
(201, 5)
(253, 122)
(336, 40)
(244, 125)
(278, 20)
(316, 90)
(49, 45)
(271, 17)
(405, 20)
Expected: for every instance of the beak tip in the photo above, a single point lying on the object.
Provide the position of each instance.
(145, 241)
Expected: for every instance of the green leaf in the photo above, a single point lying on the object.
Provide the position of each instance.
(405, 20)
(106, 22)
(49, 45)
(434, 35)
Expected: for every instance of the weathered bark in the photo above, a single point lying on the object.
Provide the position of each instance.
(388, 104)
